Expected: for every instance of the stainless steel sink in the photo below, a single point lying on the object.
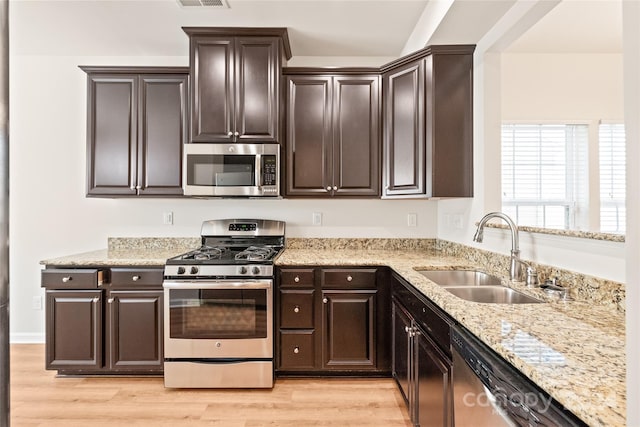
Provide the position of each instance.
(477, 286)
(491, 294)
(460, 278)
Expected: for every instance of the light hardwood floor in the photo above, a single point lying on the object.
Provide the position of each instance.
(39, 399)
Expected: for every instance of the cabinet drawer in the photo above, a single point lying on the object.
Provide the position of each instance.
(349, 278)
(296, 309)
(136, 277)
(297, 278)
(297, 350)
(432, 323)
(88, 278)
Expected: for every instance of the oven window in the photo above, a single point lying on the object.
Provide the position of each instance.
(213, 314)
(221, 170)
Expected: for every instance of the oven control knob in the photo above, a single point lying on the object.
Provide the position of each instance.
(243, 270)
(255, 270)
(194, 270)
(181, 270)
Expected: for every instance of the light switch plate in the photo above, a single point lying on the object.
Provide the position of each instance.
(167, 218)
(412, 220)
(317, 218)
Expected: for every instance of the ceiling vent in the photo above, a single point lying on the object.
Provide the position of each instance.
(220, 4)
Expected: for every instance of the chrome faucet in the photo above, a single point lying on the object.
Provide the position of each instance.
(517, 270)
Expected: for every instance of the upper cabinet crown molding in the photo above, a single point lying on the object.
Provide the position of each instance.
(244, 31)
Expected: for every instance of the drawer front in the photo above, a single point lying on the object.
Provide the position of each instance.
(297, 278)
(364, 278)
(136, 277)
(432, 323)
(296, 309)
(297, 350)
(88, 278)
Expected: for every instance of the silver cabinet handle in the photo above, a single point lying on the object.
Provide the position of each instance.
(66, 279)
(236, 133)
(296, 279)
(296, 350)
(325, 300)
(229, 133)
(133, 187)
(296, 309)
(349, 278)
(328, 188)
(335, 187)
(135, 278)
(407, 329)
(110, 300)
(138, 187)
(95, 300)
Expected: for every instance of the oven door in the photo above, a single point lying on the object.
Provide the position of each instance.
(209, 319)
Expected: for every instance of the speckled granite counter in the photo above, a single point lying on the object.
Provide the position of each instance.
(573, 350)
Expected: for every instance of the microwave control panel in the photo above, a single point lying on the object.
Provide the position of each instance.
(269, 170)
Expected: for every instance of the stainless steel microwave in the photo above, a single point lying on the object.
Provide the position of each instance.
(231, 170)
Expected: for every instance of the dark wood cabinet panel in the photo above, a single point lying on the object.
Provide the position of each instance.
(401, 358)
(74, 330)
(114, 330)
(333, 135)
(235, 87)
(135, 130)
(333, 321)
(134, 330)
(349, 323)
(433, 382)
(428, 123)
(404, 132)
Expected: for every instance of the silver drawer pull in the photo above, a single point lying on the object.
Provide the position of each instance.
(349, 278)
(407, 329)
(296, 350)
(66, 279)
(296, 309)
(324, 300)
(296, 279)
(95, 300)
(110, 300)
(135, 278)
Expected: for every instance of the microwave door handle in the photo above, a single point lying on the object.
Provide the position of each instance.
(259, 170)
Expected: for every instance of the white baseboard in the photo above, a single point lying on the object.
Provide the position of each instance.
(26, 338)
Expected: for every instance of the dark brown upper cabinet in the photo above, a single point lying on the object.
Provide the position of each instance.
(428, 123)
(333, 133)
(235, 74)
(136, 126)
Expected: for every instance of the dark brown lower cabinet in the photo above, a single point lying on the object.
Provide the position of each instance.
(422, 366)
(74, 330)
(106, 326)
(333, 321)
(134, 330)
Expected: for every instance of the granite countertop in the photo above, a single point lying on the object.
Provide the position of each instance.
(575, 351)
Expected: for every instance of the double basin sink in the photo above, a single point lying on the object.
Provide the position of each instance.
(477, 286)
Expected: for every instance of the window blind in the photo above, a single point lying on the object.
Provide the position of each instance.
(612, 148)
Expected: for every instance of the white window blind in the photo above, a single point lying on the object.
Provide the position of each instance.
(540, 167)
(612, 178)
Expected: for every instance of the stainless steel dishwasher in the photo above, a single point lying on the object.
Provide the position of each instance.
(488, 392)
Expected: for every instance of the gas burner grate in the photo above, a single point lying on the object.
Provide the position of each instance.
(206, 253)
(255, 253)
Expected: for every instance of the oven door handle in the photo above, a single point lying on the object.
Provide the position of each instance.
(208, 284)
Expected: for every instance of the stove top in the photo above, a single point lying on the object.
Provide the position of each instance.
(231, 248)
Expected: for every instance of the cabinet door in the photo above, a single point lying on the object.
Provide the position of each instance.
(134, 330)
(212, 95)
(111, 139)
(356, 136)
(309, 136)
(404, 134)
(349, 330)
(433, 378)
(162, 129)
(400, 344)
(74, 330)
(257, 76)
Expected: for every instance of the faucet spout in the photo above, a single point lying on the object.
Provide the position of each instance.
(516, 270)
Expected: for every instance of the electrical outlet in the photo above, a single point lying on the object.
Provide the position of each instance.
(317, 218)
(457, 221)
(36, 303)
(412, 220)
(167, 218)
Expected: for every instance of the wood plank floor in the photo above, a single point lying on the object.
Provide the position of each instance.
(39, 399)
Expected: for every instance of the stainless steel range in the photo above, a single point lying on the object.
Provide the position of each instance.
(218, 299)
